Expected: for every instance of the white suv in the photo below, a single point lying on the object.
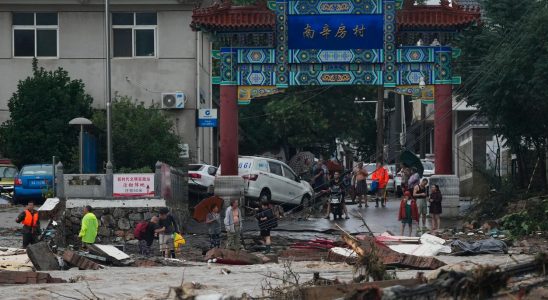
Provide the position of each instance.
(270, 179)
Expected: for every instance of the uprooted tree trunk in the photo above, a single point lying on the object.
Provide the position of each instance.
(369, 264)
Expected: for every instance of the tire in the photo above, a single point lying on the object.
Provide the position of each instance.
(265, 196)
(305, 201)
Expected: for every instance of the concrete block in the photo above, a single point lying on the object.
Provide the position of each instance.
(124, 224)
(42, 258)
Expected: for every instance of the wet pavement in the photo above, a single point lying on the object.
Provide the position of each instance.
(379, 219)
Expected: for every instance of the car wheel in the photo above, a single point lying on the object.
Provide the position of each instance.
(305, 202)
(265, 196)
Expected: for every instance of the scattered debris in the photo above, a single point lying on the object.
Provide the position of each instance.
(81, 262)
(113, 254)
(490, 246)
(304, 254)
(27, 277)
(42, 258)
(389, 256)
(231, 257)
(430, 245)
(225, 271)
(354, 290)
(12, 251)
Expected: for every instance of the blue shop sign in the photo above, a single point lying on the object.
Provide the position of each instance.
(207, 118)
(335, 32)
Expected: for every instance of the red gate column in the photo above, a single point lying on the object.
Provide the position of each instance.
(443, 133)
(229, 130)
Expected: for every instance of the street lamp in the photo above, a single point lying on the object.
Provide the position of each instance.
(82, 122)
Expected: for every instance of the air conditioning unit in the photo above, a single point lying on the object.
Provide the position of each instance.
(174, 100)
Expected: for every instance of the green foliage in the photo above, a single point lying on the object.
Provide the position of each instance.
(505, 68)
(305, 117)
(138, 170)
(529, 220)
(40, 110)
(141, 135)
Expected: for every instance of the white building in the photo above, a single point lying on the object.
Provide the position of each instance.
(153, 51)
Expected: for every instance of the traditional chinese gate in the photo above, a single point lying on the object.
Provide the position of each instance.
(335, 42)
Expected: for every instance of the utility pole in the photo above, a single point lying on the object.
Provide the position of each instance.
(380, 125)
(397, 127)
(108, 82)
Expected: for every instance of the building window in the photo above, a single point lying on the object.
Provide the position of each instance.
(35, 34)
(134, 34)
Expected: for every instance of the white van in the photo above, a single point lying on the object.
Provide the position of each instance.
(270, 179)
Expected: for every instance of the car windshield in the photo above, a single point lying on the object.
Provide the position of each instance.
(428, 165)
(195, 167)
(8, 172)
(37, 170)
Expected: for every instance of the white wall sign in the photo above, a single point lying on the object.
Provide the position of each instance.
(133, 185)
(185, 151)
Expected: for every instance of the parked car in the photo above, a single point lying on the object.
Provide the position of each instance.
(8, 172)
(272, 180)
(32, 183)
(371, 167)
(429, 168)
(201, 176)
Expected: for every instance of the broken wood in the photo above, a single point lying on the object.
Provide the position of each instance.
(81, 262)
(389, 256)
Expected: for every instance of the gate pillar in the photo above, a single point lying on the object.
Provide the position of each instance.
(229, 130)
(443, 134)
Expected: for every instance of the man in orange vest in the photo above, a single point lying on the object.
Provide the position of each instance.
(381, 176)
(31, 224)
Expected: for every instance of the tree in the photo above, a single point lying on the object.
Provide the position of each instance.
(141, 136)
(40, 111)
(506, 71)
(310, 118)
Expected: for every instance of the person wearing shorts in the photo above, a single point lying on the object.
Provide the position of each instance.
(267, 221)
(420, 193)
(167, 226)
(361, 184)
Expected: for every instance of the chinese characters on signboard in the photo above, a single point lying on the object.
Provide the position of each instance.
(335, 32)
(310, 33)
(133, 185)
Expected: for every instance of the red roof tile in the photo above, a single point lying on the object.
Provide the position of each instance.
(436, 16)
(224, 16)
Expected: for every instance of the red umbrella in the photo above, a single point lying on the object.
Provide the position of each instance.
(204, 207)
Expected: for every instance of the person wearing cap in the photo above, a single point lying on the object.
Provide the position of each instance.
(408, 212)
